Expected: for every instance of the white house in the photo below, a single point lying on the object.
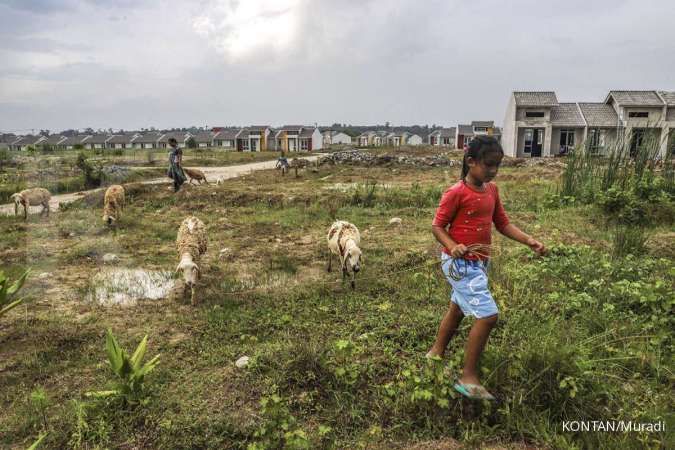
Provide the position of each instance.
(334, 137)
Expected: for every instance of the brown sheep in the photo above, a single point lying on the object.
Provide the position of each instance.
(195, 174)
(31, 197)
(113, 204)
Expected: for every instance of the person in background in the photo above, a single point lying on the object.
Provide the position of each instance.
(176, 165)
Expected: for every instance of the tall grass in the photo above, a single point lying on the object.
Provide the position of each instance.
(588, 174)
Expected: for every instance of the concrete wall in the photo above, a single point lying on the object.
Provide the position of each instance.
(509, 130)
(317, 140)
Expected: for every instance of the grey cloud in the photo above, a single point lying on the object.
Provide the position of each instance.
(371, 61)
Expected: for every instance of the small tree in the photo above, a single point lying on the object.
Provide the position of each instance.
(191, 143)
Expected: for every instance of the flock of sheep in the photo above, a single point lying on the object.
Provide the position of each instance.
(192, 240)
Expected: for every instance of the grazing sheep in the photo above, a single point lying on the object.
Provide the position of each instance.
(191, 244)
(31, 197)
(343, 241)
(113, 204)
(195, 174)
(298, 164)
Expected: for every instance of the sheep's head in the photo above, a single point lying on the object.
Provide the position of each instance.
(190, 272)
(17, 199)
(353, 259)
(109, 219)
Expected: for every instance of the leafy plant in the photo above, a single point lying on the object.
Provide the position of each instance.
(129, 370)
(37, 443)
(279, 428)
(8, 293)
(40, 402)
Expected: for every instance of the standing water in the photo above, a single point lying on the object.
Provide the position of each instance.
(124, 287)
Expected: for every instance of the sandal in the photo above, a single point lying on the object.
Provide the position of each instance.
(473, 391)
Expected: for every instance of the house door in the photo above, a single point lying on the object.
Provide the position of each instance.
(537, 139)
(636, 141)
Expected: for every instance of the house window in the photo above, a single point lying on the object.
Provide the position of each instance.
(529, 135)
(480, 129)
(467, 139)
(566, 141)
(596, 139)
(532, 114)
(304, 144)
(638, 114)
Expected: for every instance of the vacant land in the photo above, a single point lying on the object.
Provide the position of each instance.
(584, 334)
(63, 171)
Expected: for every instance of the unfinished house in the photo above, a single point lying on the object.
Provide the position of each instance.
(536, 124)
(601, 126)
(293, 138)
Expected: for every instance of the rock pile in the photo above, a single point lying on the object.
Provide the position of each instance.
(368, 159)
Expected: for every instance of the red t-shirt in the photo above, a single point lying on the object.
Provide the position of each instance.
(470, 213)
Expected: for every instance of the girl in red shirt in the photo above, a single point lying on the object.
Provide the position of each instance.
(464, 217)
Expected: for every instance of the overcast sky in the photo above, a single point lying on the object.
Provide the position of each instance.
(165, 63)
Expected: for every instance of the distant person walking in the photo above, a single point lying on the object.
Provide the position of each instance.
(176, 165)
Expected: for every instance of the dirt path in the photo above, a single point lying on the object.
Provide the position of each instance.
(212, 174)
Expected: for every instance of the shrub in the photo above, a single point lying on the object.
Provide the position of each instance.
(93, 176)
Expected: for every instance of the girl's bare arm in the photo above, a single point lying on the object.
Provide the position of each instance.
(446, 241)
(513, 232)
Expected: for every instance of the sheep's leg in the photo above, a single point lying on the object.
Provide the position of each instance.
(344, 273)
(16, 209)
(330, 262)
(353, 280)
(25, 211)
(45, 208)
(193, 297)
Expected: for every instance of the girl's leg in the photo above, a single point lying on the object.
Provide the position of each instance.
(478, 336)
(446, 330)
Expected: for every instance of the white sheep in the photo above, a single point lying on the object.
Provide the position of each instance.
(343, 241)
(191, 243)
(113, 204)
(31, 197)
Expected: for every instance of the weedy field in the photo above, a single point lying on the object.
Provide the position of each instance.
(584, 333)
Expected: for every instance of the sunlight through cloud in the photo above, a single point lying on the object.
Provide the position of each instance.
(242, 29)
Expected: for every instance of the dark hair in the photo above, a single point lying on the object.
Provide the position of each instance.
(173, 141)
(478, 148)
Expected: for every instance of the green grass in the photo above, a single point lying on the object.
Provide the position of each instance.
(583, 334)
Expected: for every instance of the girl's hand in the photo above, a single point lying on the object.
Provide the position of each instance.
(536, 246)
(458, 250)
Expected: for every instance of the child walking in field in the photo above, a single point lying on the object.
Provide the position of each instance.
(463, 223)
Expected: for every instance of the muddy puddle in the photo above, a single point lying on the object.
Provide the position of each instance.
(126, 287)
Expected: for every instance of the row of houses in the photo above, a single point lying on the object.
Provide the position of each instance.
(537, 124)
(459, 136)
(254, 138)
(378, 138)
